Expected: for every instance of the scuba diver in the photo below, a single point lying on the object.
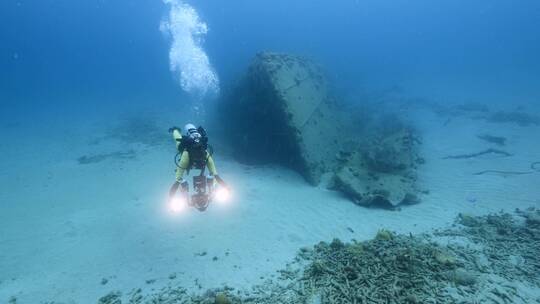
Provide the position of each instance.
(193, 153)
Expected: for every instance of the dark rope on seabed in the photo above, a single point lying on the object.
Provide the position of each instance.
(535, 167)
(472, 155)
(504, 172)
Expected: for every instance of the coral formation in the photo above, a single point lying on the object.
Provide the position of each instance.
(392, 271)
(445, 257)
(111, 298)
(463, 277)
(396, 269)
(384, 235)
(503, 236)
(222, 298)
(468, 220)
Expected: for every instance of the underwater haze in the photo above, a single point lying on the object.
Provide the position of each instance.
(383, 151)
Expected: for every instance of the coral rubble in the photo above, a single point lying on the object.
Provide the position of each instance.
(393, 268)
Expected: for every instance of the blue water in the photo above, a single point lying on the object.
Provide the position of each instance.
(57, 50)
(70, 65)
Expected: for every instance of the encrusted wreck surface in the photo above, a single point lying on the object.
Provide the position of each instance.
(382, 173)
(282, 113)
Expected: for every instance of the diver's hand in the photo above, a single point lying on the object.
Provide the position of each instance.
(171, 129)
(221, 182)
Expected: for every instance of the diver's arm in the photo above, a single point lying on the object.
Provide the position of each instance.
(210, 164)
(171, 129)
(221, 181)
(177, 135)
(212, 168)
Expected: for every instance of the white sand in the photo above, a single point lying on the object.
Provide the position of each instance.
(64, 226)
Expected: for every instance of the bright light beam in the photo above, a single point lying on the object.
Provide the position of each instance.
(222, 195)
(177, 204)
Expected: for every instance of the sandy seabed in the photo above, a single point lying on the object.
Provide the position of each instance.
(72, 232)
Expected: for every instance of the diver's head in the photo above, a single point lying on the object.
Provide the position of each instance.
(190, 128)
(192, 131)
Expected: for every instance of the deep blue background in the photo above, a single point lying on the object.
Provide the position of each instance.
(58, 52)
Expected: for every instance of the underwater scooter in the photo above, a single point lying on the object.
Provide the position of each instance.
(204, 188)
(205, 191)
(203, 194)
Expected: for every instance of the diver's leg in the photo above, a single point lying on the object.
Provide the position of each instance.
(180, 170)
(182, 166)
